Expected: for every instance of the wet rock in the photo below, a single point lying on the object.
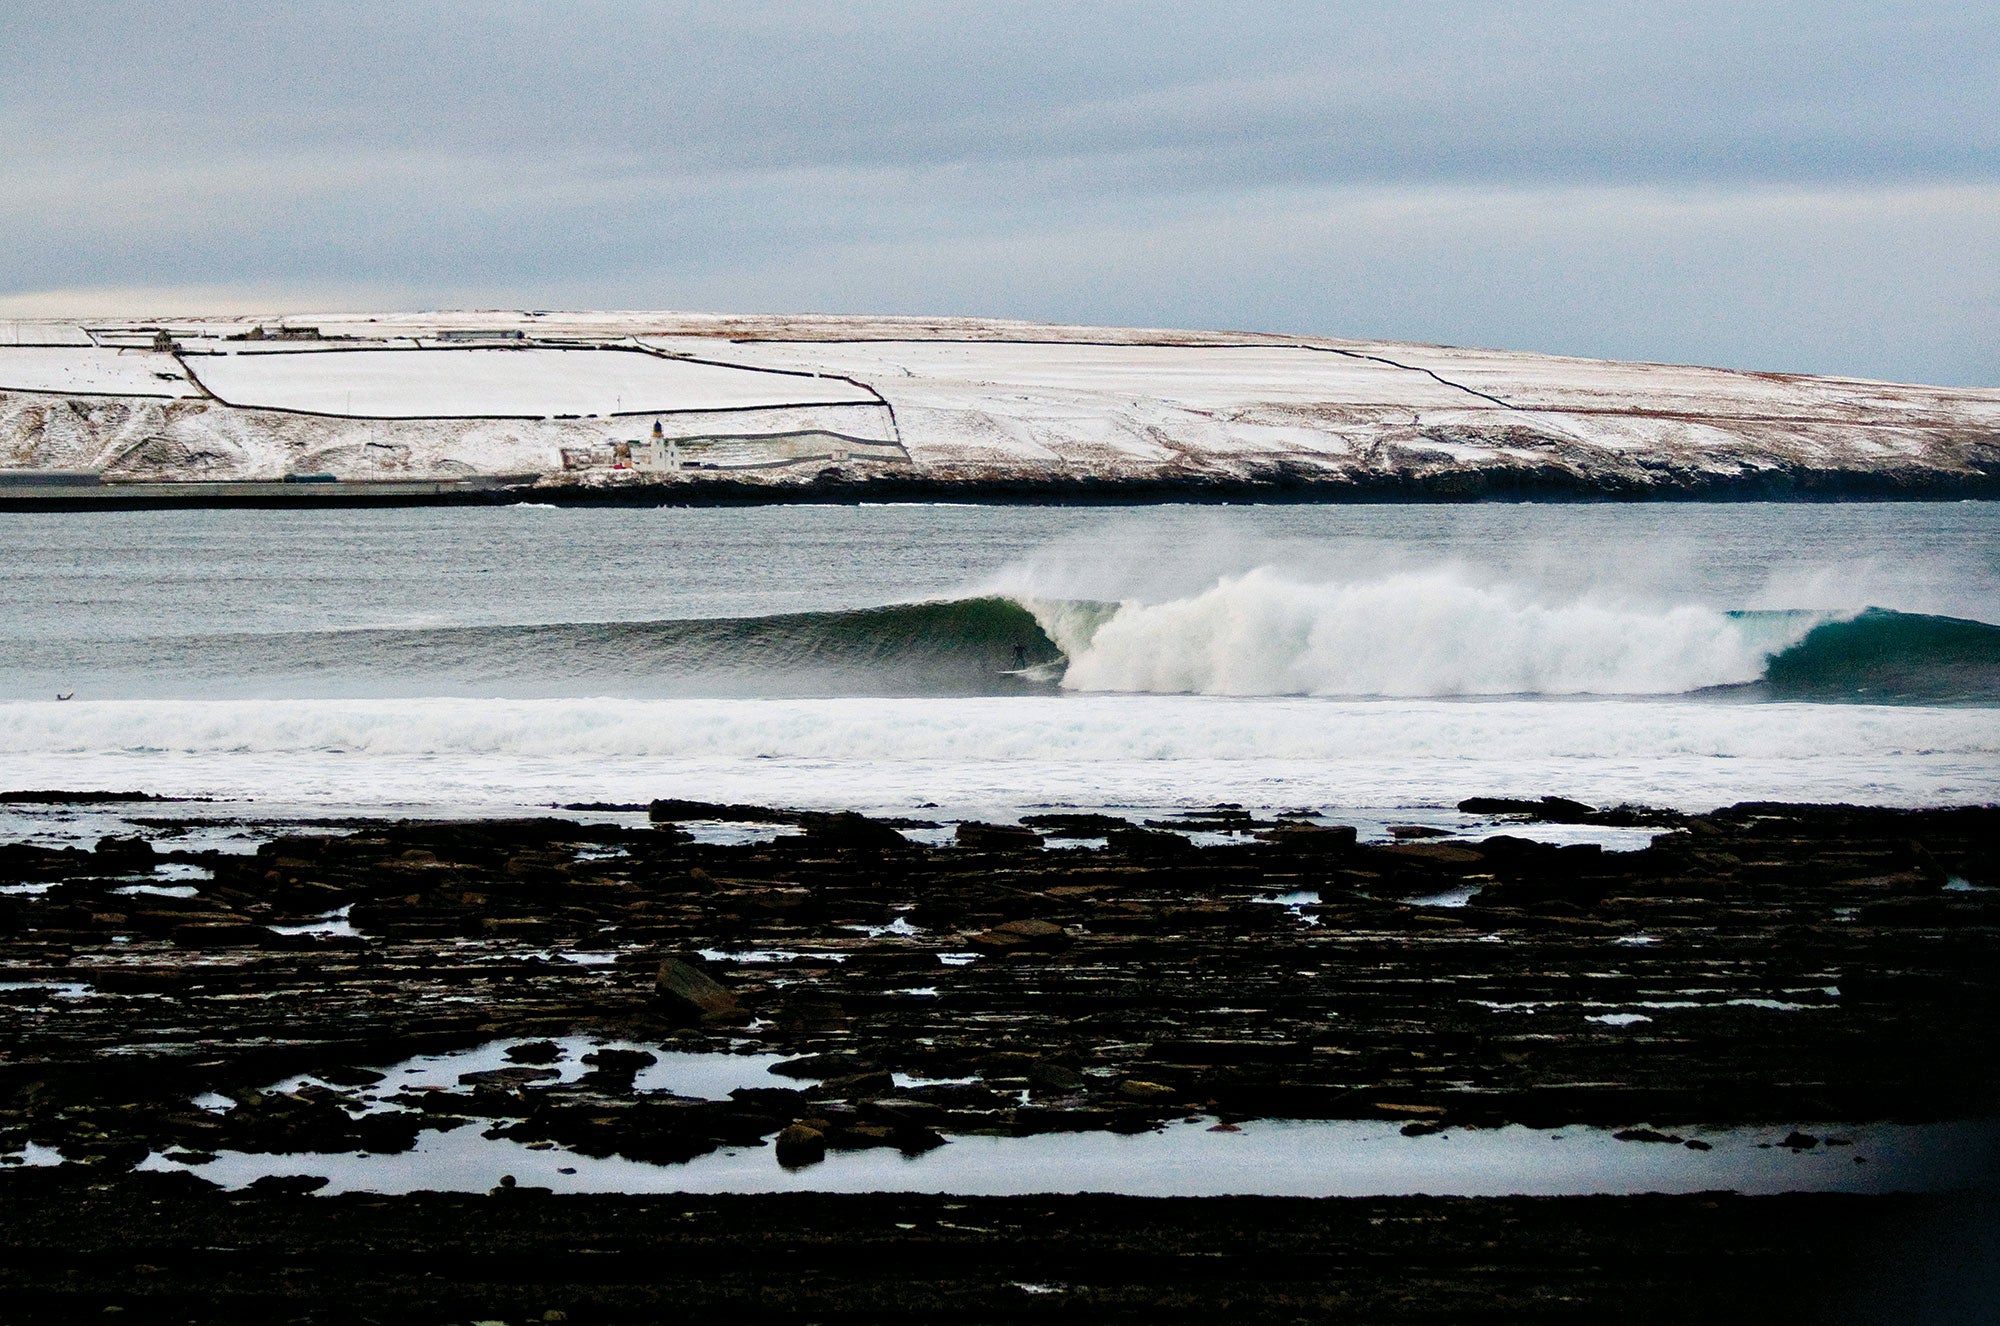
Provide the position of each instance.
(107, 1154)
(914, 1140)
(1798, 1141)
(965, 1096)
(1218, 1051)
(1316, 839)
(778, 1102)
(1023, 935)
(1133, 1088)
(506, 1079)
(997, 837)
(1054, 1077)
(1223, 818)
(288, 1185)
(691, 993)
(1148, 843)
(1646, 1135)
(1073, 825)
(277, 1121)
(667, 810)
(614, 1070)
(658, 1132)
(1060, 1118)
(535, 1052)
(1441, 856)
(386, 1134)
(1549, 810)
(799, 1145)
(1400, 1109)
(860, 1136)
(219, 935)
(847, 831)
(857, 1086)
(125, 853)
(821, 1066)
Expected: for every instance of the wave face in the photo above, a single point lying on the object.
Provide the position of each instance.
(1884, 655)
(1433, 634)
(977, 646)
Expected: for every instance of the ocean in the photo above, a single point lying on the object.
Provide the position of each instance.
(979, 661)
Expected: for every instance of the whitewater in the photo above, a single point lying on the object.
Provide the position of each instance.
(968, 660)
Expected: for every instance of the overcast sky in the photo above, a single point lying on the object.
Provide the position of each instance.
(1804, 186)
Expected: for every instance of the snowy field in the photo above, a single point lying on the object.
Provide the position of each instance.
(89, 371)
(500, 383)
(1192, 376)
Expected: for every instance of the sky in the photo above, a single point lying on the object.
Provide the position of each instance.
(1805, 187)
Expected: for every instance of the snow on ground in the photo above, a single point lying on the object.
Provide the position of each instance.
(1550, 382)
(1105, 408)
(155, 439)
(972, 399)
(1192, 377)
(88, 371)
(1096, 408)
(499, 383)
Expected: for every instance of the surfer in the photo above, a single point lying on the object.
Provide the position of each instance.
(61, 696)
(1020, 657)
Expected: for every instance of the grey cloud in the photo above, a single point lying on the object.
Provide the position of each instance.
(1330, 92)
(1104, 162)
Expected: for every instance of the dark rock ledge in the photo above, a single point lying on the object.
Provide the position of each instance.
(1789, 964)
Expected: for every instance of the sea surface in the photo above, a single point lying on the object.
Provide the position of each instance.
(982, 660)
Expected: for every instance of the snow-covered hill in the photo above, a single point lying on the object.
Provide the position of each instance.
(947, 400)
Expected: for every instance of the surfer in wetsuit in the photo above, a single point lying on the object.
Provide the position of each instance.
(1020, 657)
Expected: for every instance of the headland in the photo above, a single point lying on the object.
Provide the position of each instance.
(666, 408)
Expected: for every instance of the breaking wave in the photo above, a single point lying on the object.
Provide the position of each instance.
(1435, 634)
(1440, 634)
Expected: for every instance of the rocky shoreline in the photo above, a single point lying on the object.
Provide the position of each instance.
(1507, 483)
(1763, 964)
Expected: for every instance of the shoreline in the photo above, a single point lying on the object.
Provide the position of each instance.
(1447, 488)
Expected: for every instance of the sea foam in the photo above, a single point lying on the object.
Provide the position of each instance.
(1130, 749)
(1431, 633)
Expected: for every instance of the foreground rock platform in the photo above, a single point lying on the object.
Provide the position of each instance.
(1762, 964)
